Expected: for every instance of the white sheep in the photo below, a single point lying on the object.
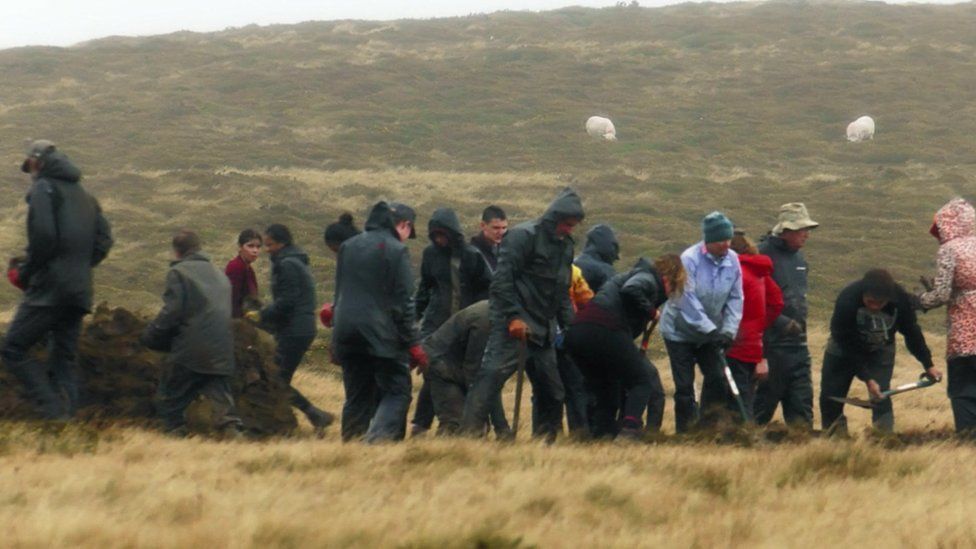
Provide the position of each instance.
(861, 129)
(601, 128)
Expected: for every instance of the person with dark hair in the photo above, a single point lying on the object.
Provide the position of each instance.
(374, 337)
(243, 281)
(785, 342)
(453, 275)
(494, 225)
(954, 285)
(529, 297)
(762, 304)
(340, 231)
(291, 314)
(862, 344)
(601, 342)
(600, 252)
(67, 236)
(701, 325)
(194, 329)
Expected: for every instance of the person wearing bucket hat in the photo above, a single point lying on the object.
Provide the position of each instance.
(700, 325)
(785, 342)
(67, 236)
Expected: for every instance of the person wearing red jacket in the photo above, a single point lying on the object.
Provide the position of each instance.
(243, 281)
(763, 304)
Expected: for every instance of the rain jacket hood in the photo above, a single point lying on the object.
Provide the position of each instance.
(446, 220)
(566, 205)
(57, 166)
(957, 219)
(602, 242)
(380, 218)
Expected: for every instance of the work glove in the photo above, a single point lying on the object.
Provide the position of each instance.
(915, 300)
(13, 275)
(928, 282)
(560, 340)
(418, 358)
(793, 328)
(722, 340)
(253, 316)
(325, 315)
(518, 329)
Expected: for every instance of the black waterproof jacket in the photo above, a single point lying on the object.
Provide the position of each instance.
(631, 298)
(790, 274)
(856, 332)
(292, 311)
(599, 254)
(373, 309)
(194, 325)
(455, 349)
(488, 250)
(437, 297)
(67, 235)
(534, 270)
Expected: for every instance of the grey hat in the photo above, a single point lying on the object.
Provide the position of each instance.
(402, 212)
(794, 217)
(37, 149)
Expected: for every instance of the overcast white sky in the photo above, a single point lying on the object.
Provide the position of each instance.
(66, 22)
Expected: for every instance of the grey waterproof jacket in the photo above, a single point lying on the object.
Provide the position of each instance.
(194, 325)
(67, 235)
(790, 274)
(451, 278)
(534, 270)
(373, 308)
(455, 349)
(292, 311)
(600, 252)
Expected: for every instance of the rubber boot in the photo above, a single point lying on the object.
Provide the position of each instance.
(320, 419)
(37, 385)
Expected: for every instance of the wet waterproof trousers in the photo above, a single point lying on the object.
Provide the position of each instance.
(788, 384)
(51, 387)
(364, 377)
(289, 351)
(962, 393)
(179, 387)
(621, 380)
(684, 356)
(835, 381)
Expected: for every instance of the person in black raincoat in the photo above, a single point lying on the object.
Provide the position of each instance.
(67, 236)
(374, 338)
(452, 275)
(601, 342)
(599, 254)
(194, 328)
(291, 314)
(529, 296)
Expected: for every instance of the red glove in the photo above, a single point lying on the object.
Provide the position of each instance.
(13, 275)
(418, 358)
(325, 315)
(518, 329)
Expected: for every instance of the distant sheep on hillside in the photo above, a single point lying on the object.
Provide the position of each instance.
(861, 129)
(601, 128)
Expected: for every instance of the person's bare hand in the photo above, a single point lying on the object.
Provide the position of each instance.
(874, 390)
(762, 370)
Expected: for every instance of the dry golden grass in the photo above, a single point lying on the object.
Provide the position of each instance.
(133, 488)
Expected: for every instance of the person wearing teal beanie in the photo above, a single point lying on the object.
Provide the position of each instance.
(716, 228)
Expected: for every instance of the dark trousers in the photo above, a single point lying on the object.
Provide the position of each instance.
(743, 375)
(683, 358)
(835, 381)
(622, 381)
(577, 398)
(962, 393)
(289, 351)
(448, 396)
(788, 384)
(499, 363)
(365, 377)
(179, 387)
(53, 388)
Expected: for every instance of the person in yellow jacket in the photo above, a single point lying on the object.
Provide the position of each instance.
(579, 291)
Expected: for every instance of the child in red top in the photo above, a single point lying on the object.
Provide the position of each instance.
(243, 281)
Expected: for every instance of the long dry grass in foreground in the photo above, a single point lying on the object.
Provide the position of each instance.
(133, 488)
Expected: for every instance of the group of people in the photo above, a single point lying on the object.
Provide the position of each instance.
(502, 301)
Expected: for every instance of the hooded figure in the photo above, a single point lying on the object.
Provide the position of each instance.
(955, 286)
(601, 343)
(66, 237)
(373, 329)
(599, 254)
(529, 293)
